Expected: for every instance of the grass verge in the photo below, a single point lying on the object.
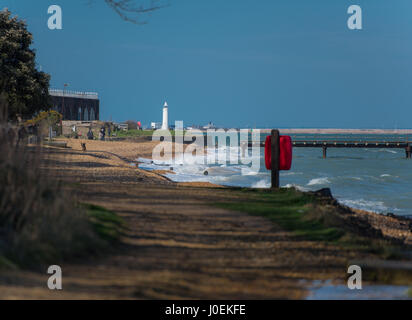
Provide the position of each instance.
(94, 233)
(288, 209)
(107, 224)
(310, 217)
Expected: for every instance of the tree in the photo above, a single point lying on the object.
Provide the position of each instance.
(130, 11)
(26, 87)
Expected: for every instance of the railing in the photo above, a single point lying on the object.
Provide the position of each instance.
(74, 94)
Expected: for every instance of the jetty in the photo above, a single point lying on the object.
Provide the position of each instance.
(407, 146)
(362, 141)
(354, 144)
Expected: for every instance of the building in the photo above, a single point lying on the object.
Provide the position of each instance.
(155, 125)
(121, 126)
(210, 125)
(74, 105)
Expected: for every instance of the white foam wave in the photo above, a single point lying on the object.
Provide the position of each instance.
(290, 173)
(317, 181)
(261, 184)
(382, 150)
(376, 206)
(296, 186)
(386, 175)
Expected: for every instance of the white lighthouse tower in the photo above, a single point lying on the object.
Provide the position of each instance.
(165, 122)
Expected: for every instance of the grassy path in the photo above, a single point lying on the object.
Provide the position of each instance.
(178, 247)
(180, 242)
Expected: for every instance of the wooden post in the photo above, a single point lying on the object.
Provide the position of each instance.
(324, 152)
(408, 151)
(275, 158)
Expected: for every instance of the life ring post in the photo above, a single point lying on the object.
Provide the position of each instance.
(275, 153)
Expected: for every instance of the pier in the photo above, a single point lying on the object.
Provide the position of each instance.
(354, 144)
(325, 144)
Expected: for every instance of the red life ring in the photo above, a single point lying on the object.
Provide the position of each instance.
(285, 154)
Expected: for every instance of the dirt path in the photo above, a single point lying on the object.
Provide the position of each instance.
(177, 244)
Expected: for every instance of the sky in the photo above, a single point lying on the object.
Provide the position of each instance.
(237, 63)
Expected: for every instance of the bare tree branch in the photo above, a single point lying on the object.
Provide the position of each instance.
(130, 10)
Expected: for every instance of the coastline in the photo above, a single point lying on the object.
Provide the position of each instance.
(199, 241)
(129, 151)
(388, 224)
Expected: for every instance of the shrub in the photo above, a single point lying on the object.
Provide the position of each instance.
(39, 222)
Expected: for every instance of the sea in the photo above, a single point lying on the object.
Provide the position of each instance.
(378, 180)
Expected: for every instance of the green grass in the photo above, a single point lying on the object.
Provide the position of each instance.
(137, 133)
(133, 133)
(308, 217)
(107, 224)
(288, 209)
(103, 228)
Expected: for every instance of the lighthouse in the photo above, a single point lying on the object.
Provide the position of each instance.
(165, 122)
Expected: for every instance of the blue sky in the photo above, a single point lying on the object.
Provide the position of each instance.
(267, 63)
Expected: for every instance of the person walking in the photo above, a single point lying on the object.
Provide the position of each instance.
(90, 134)
(102, 133)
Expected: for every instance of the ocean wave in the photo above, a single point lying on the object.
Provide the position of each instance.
(290, 173)
(144, 160)
(221, 171)
(298, 187)
(376, 206)
(382, 150)
(261, 184)
(317, 181)
(386, 175)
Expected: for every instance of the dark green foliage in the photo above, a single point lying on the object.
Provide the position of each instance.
(25, 86)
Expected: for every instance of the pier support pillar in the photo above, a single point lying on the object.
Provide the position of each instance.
(408, 151)
(324, 151)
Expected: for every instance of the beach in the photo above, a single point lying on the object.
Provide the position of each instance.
(182, 242)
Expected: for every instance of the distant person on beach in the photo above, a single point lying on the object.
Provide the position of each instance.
(109, 131)
(102, 133)
(90, 134)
